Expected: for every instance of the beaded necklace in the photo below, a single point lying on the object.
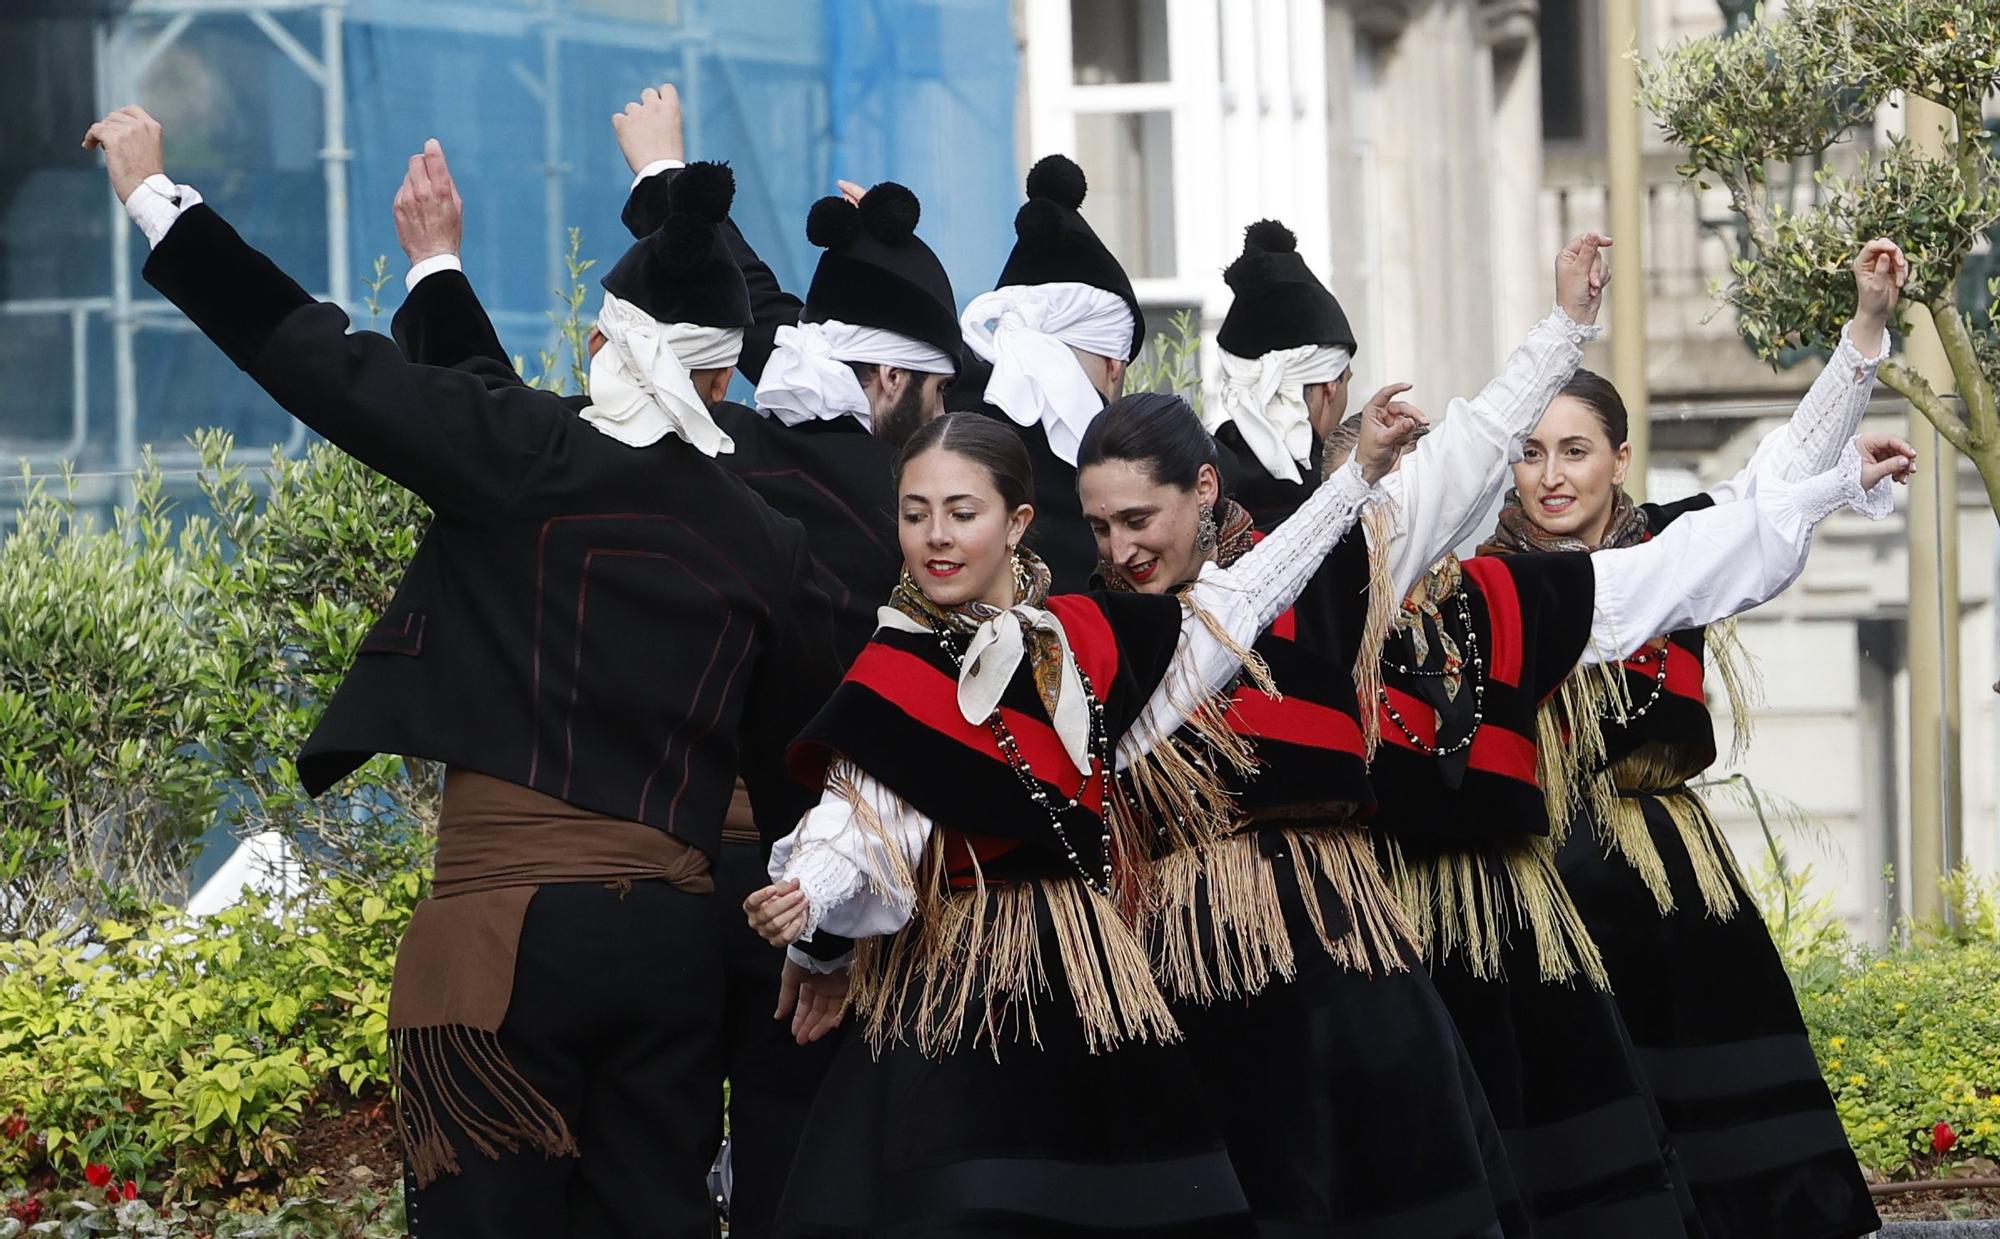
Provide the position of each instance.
(1473, 658)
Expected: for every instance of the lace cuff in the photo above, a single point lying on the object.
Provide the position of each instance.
(1823, 494)
(827, 879)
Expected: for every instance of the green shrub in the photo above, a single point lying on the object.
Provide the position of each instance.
(185, 1054)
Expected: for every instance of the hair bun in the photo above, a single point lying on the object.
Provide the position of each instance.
(832, 222)
(706, 190)
(890, 212)
(1057, 178)
(1271, 236)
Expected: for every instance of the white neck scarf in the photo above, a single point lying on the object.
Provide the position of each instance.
(640, 384)
(1027, 332)
(1266, 398)
(993, 655)
(808, 379)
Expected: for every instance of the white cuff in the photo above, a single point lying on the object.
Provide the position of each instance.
(827, 879)
(1823, 494)
(819, 967)
(1579, 334)
(655, 168)
(156, 204)
(430, 266)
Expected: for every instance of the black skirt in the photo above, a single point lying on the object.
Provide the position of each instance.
(1711, 1012)
(1348, 1103)
(1586, 1144)
(1044, 1139)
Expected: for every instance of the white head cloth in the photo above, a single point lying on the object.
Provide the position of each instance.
(1027, 332)
(807, 377)
(992, 656)
(1266, 398)
(640, 389)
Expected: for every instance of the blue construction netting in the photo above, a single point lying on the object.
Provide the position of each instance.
(519, 91)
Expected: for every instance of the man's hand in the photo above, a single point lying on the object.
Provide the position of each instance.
(649, 129)
(1582, 273)
(1879, 274)
(851, 191)
(777, 912)
(1388, 426)
(1885, 456)
(815, 1001)
(131, 142)
(430, 218)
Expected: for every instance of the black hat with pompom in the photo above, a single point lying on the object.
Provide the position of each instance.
(1279, 302)
(1054, 245)
(877, 272)
(682, 271)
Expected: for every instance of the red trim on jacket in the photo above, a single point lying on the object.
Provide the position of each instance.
(1503, 616)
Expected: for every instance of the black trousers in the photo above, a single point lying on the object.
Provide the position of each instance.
(771, 1077)
(615, 1019)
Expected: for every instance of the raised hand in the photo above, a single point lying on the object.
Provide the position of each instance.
(777, 912)
(430, 217)
(851, 191)
(1388, 427)
(1582, 274)
(650, 128)
(133, 146)
(814, 1001)
(1879, 272)
(1885, 456)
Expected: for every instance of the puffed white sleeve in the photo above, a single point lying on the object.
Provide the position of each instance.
(1446, 485)
(1242, 600)
(852, 854)
(1811, 441)
(1721, 561)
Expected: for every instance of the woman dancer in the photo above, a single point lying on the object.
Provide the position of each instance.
(1017, 1073)
(1696, 978)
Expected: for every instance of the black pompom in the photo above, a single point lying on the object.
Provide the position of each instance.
(1057, 177)
(686, 241)
(1252, 269)
(703, 189)
(890, 212)
(1038, 222)
(1271, 236)
(832, 222)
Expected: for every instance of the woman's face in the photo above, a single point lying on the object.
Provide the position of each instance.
(1145, 529)
(1568, 470)
(958, 535)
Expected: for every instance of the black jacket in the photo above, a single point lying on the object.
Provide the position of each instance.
(614, 626)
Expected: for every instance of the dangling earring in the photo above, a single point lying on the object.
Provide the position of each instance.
(1021, 580)
(1206, 534)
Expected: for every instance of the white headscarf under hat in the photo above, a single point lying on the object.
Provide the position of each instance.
(1027, 332)
(1265, 397)
(808, 379)
(640, 384)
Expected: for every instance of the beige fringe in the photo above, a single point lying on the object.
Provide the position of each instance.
(1218, 930)
(1741, 682)
(1569, 745)
(1378, 523)
(974, 957)
(1470, 903)
(429, 1094)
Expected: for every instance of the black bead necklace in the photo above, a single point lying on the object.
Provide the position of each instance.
(1099, 758)
(1473, 659)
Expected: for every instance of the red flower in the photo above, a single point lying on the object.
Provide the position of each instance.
(1942, 1138)
(15, 1127)
(131, 1189)
(96, 1175)
(27, 1211)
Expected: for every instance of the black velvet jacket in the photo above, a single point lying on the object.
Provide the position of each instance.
(615, 626)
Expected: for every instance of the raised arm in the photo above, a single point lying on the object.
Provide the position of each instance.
(438, 432)
(1833, 407)
(1719, 562)
(1450, 481)
(441, 322)
(1242, 600)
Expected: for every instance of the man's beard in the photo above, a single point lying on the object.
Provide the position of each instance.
(895, 424)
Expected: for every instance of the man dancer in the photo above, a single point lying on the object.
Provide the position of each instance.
(850, 375)
(1057, 334)
(598, 623)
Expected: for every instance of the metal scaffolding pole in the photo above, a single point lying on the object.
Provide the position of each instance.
(1625, 169)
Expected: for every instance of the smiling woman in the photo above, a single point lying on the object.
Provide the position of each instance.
(1572, 468)
(964, 492)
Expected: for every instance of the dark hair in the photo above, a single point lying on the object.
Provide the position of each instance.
(1596, 391)
(986, 442)
(1154, 429)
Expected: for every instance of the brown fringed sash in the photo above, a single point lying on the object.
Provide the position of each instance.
(497, 843)
(1470, 904)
